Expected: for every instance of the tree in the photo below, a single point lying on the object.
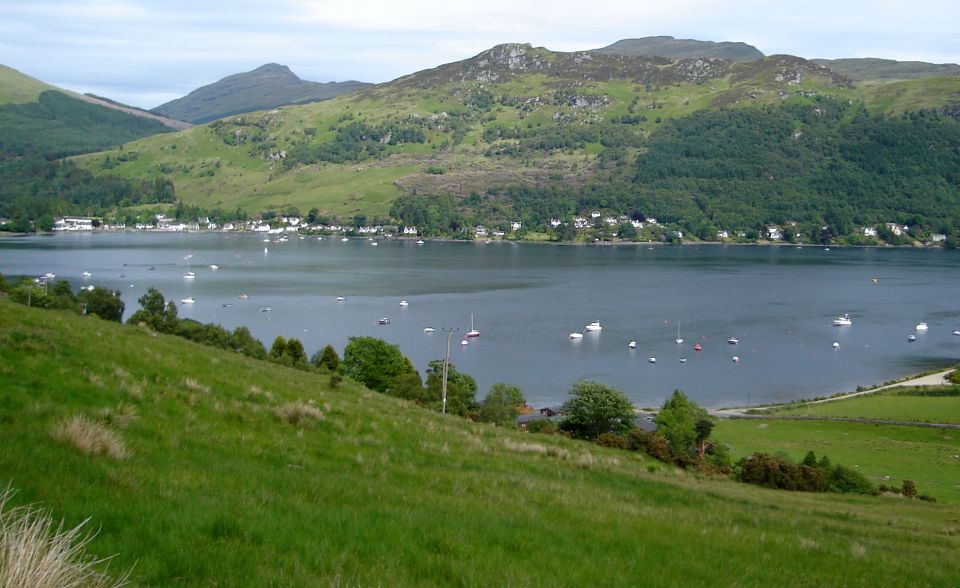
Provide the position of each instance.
(327, 358)
(703, 427)
(461, 389)
(155, 312)
(278, 347)
(243, 342)
(502, 404)
(104, 303)
(595, 408)
(677, 422)
(373, 362)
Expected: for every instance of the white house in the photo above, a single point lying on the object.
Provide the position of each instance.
(554, 222)
(774, 233)
(73, 224)
(481, 231)
(595, 214)
(723, 235)
(869, 232)
(938, 238)
(515, 226)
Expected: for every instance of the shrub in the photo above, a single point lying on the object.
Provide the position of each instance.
(336, 380)
(848, 481)
(909, 489)
(638, 440)
(89, 437)
(34, 552)
(659, 448)
(544, 427)
(612, 440)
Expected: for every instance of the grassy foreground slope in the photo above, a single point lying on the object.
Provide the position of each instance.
(219, 488)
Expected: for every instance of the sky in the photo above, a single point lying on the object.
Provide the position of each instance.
(147, 52)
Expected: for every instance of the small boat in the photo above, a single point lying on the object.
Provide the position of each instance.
(464, 342)
(86, 274)
(187, 300)
(266, 251)
(190, 276)
(266, 240)
(122, 276)
(473, 332)
(428, 329)
(843, 320)
(131, 285)
(836, 344)
(383, 321)
(214, 266)
(266, 309)
(340, 298)
(150, 268)
(344, 239)
(243, 296)
(374, 243)
(652, 359)
(922, 326)
(683, 360)
(911, 338)
(679, 339)
(419, 241)
(697, 347)
(736, 359)
(956, 333)
(632, 345)
(226, 305)
(733, 341)
(404, 303)
(594, 326)
(575, 335)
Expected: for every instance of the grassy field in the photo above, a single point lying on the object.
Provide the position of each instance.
(206, 468)
(885, 406)
(922, 454)
(18, 88)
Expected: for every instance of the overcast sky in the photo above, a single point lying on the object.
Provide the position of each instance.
(147, 52)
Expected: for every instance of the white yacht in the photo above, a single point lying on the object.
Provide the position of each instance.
(733, 341)
(404, 303)
(86, 274)
(652, 359)
(473, 332)
(632, 345)
(922, 326)
(340, 298)
(419, 241)
(190, 276)
(428, 329)
(836, 344)
(679, 339)
(594, 326)
(843, 320)
(214, 266)
(187, 300)
(576, 335)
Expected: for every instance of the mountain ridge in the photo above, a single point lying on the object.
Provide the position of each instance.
(670, 47)
(268, 86)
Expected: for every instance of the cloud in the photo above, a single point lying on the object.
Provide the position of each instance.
(142, 51)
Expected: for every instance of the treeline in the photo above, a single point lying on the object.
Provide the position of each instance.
(59, 295)
(58, 126)
(559, 137)
(34, 190)
(357, 141)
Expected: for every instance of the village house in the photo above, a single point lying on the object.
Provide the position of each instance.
(480, 231)
(774, 234)
(723, 235)
(74, 223)
(515, 226)
(409, 230)
(869, 232)
(554, 223)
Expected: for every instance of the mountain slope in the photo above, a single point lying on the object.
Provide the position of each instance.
(888, 70)
(19, 88)
(225, 470)
(266, 87)
(671, 48)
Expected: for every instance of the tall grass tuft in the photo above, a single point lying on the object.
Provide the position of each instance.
(299, 414)
(90, 437)
(35, 553)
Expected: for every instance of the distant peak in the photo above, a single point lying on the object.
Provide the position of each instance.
(275, 69)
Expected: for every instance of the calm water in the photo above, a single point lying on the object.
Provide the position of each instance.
(778, 301)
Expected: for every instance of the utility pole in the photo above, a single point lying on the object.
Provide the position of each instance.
(446, 363)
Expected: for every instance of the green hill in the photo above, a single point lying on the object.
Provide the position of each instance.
(871, 69)
(266, 87)
(528, 134)
(204, 467)
(671, 48)
(18, 88)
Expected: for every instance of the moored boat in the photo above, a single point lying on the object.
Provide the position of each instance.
(922, 326)
(843, 320)
(576, 335)
(594, 326)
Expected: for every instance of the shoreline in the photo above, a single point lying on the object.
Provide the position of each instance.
(761, 243)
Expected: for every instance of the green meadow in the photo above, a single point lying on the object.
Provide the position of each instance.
(896, 405)
(220, 470)
(886, 454)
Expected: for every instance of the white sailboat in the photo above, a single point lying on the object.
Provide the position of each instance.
(679, 339)
(189, 275)
(473, 332)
